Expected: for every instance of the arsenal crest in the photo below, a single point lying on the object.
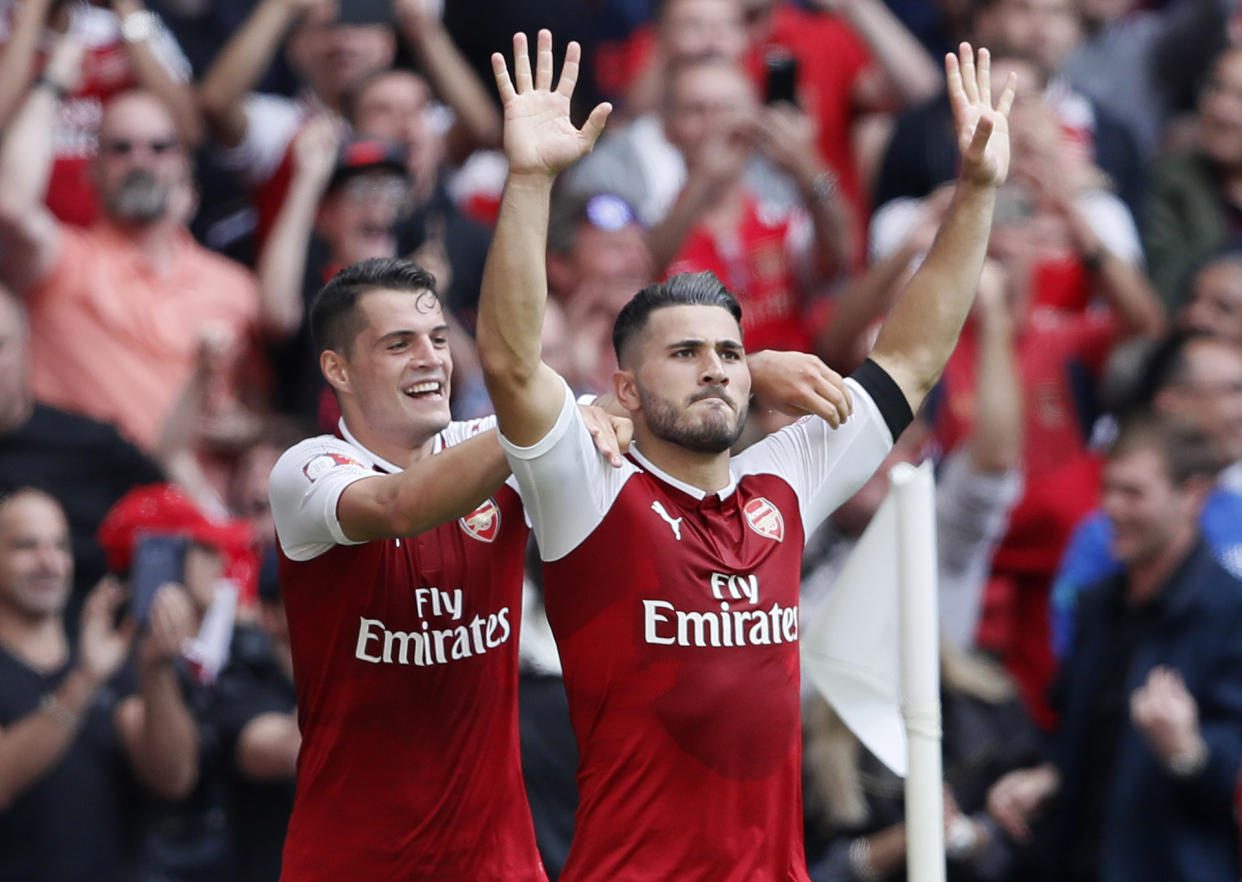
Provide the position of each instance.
(765, 519)
(483, 523)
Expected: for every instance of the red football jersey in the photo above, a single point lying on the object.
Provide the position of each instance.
(676, 616)
(760, 264)
(405, 658)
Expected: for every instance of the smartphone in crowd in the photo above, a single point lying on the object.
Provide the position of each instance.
(781, 82)
(366, 12)
(158, 558)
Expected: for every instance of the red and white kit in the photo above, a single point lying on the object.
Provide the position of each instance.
(676, 615)
(405, 655)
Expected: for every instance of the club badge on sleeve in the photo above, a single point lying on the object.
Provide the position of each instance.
(325, 462)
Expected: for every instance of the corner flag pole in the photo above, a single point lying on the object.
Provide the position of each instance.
(919, 619)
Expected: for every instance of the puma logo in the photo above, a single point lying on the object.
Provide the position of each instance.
(674, 523)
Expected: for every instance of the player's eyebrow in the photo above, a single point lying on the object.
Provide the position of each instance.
(692, 343)
(686, 344)
(407, 332)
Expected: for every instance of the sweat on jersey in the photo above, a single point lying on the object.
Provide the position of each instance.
(676, 615)
(405, 655)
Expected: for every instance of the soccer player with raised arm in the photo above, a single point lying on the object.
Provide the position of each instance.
(672, 582)
(401, 555)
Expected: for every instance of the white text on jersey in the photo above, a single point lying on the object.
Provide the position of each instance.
(665, 625)
(441, 602)
(430, 646)
(738, 586)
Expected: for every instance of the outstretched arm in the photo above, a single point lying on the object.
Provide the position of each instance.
(922, 330)
(540, 141)
(455, 82)
(241, 63)
(29, 234)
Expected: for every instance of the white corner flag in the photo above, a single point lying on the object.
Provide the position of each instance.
(849, 650)
(853, 649)
(872, 651)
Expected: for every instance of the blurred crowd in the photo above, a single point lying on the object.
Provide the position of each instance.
(177, 181)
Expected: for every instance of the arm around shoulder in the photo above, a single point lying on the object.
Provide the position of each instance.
(322, 495)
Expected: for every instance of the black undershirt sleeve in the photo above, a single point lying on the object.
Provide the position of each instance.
(886, 394)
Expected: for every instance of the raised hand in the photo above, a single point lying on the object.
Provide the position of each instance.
(1167, 715)
(102, 644)
(315, 148)
(982, 131)
(170, 624)
(539, 136)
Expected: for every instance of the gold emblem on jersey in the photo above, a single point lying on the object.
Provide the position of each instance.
(483, 523)
(765, 518)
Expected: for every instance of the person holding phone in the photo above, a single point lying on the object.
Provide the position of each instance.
(70, 741)
(775, 259)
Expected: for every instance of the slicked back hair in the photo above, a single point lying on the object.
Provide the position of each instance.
(335, 319)
(684, 289)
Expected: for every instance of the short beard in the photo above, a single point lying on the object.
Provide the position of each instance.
(668, 424)
(141, 199)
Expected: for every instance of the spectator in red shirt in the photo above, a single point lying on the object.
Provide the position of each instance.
(858, 59)
(771, 259)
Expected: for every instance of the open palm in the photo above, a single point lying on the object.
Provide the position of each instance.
(539, 136)
(982, 131)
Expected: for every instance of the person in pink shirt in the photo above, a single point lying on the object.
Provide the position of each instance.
(119, 311)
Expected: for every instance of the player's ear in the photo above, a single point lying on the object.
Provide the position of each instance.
(626, 390)
(335, 370)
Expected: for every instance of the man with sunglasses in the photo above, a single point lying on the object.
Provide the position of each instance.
(118, 311)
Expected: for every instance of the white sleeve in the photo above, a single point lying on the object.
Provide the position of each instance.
(567, 486)
(972, 513)
(164, 46)
(271, 123)
(823, 465)
(1110, 219)
(463, 430)
(306, 484)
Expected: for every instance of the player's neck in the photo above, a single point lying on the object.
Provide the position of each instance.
(401, 452)
(707, 471)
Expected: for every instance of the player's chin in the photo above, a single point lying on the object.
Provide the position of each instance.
(432, 413)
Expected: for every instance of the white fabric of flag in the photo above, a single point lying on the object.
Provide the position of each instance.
(850, 650)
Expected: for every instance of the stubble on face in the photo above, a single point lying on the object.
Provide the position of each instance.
(140, 198)
(713, 433)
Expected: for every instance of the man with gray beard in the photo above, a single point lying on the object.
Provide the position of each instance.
(119, 312)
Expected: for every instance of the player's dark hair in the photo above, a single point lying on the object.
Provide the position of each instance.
(684, 289)
(1186, 450)
(334, 316)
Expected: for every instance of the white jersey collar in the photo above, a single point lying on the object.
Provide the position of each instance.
(376, 460)
(688, 489)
